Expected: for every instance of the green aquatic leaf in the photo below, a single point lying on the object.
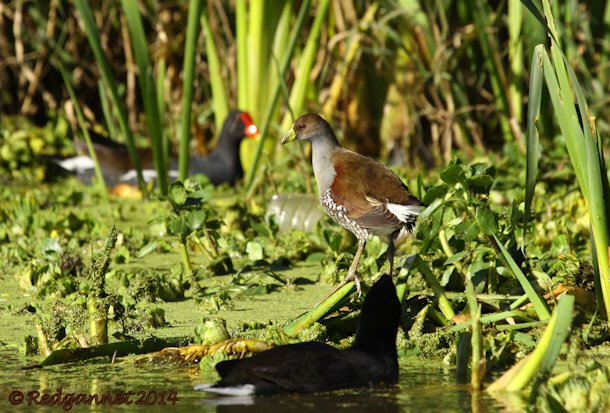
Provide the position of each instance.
(178, 226)
(486, 218)
(455, 174)
(255, 251)
(195, 219)
(50, 247)
(435, 193)
(481, 184)
(467, 230)
(177, 194)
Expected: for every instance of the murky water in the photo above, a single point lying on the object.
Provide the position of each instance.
(422, 388)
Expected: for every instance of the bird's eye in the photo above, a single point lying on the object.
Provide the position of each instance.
(299, 126)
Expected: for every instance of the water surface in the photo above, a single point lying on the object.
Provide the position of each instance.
(423, 387)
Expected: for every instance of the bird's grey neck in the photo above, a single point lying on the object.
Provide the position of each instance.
(322, 151)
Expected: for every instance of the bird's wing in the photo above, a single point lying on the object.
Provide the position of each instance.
(371, 193)
(303, 367)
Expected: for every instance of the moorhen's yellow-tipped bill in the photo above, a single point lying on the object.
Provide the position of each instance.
(362, 195)
(314, 366)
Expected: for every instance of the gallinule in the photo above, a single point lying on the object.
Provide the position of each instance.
(362, 195)
(222, 165)
(314, 366)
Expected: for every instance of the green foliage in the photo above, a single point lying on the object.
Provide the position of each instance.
(584, 389)
(24, 146)
(211, 331)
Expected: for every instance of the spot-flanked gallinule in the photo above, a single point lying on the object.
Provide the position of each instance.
(314, 366)
(222, 165)
(362, 195)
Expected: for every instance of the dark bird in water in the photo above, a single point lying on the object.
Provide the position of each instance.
(362, 195)
(220, 166)
(314, 366)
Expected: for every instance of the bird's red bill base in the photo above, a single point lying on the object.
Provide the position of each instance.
(251, 131)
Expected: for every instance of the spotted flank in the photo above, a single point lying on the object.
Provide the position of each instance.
(340, 214)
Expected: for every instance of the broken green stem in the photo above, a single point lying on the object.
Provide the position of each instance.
(319, 310)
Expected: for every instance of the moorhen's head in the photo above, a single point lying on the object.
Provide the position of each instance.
(237, 125)
(379, 319)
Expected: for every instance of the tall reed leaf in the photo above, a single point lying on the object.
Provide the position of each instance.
(306, 62)
(148, 90)
(283, 69)
(160, 85)
(219, 94)
(515, 53)
(443, 302)
(542, 310)
(599, 192)
(583, 149)
(533, 139)
(109, 115)
(188, 74)
(93, 38)
(544, 356)
(99, 178)
(497, 76)
(336, 88)
(241, 32)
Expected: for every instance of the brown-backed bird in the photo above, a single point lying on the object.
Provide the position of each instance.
(362, 195)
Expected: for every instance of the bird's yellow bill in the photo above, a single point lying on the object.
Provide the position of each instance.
(289, 136)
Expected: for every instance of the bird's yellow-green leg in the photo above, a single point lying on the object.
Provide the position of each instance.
(351, 273)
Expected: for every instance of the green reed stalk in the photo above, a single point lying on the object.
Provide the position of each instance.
(540, 306)
(160, 86)
(148, 90)
(319, 311)
(493, 62)
(220, 103)
(302, 80)
(241, 31)
(477, 366)
(188, 70)
(443, 302)
(109, 115)
(533, 138)
(99, 177)
(492, 318)
(584, 148)
(515, 53)
(93, 38)
(543, 358)
(283, 69)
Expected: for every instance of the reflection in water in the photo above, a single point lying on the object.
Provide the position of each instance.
(353, 402)
(423, 387)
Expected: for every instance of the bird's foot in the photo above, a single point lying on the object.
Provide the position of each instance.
(357, 282)
(348, 278)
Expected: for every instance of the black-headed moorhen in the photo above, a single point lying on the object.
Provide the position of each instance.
(362, 195)
(222, 165)
(315, 366)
